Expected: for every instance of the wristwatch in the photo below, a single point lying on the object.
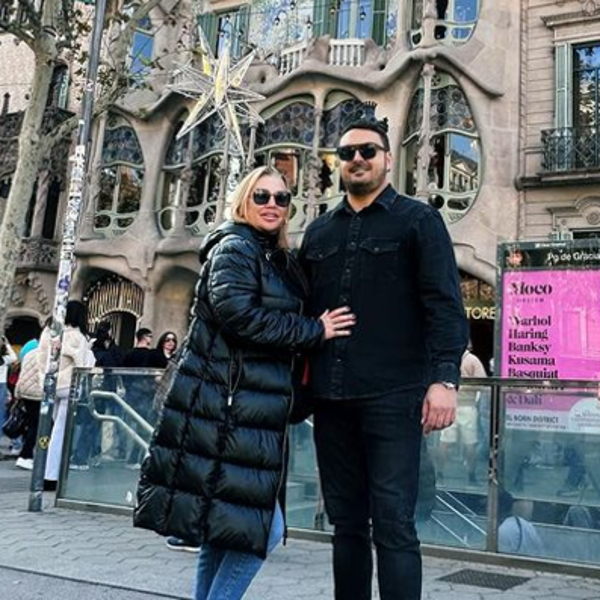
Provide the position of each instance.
(448, 385)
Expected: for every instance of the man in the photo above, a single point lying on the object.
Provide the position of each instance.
(142, 356)
(390, 259)
(140, 388)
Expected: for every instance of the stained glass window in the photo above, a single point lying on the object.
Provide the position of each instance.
(121, 177)
(453, 175)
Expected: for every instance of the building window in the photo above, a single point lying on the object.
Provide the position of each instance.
(455, 20)
(142, 51)
(58, 94)
(51, 211)
(227, 28)
(352, 19)
(573, 144)
(453, 174)
(121, 178)
(192, 177)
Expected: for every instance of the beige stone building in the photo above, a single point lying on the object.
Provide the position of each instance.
(486, 123)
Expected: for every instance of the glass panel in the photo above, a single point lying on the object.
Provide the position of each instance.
(288, 163)
(112, 417)
(464, 163)
(550, 473)
(108, 182)
(130, 189)
(171, 189)
(141, 53)
(465, 11)
(304, 507)
(452, 503)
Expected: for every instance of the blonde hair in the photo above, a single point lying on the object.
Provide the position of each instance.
(242, 196)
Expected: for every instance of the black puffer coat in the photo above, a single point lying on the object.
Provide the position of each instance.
(216, 459)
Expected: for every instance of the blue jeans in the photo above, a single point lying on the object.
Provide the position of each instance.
(227, 574)
(368, 451)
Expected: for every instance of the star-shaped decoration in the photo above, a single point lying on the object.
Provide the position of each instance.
(217, 87)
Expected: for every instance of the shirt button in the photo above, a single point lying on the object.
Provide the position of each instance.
(344, 299)
(352, 245)
(338, 360)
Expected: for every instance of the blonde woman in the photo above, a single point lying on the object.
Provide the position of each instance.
(216, 462)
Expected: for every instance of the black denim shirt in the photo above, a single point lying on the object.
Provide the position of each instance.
(393, 264)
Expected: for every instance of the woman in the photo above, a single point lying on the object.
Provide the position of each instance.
(166, 348)
(216, 463)
(7, 358)
(75, 352)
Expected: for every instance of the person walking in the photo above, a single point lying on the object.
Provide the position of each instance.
(217, 458)
(7, 358)
(390, 259)
(75, 352)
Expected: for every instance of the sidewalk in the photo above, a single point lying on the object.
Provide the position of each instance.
(60, 554)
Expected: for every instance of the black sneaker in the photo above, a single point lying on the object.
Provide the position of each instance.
(174, 543)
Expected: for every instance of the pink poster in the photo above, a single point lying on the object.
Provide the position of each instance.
(551, 324)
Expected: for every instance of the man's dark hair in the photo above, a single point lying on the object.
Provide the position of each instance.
(370, 123)
(142, 333)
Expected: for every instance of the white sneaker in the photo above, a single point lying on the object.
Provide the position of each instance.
(24, 463)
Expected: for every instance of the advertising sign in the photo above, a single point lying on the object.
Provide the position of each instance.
(550, 329)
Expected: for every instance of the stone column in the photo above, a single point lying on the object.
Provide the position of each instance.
(425, 150)
(314, 166)
(429, 21)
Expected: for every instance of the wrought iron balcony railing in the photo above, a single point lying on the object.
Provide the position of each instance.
(570, 149)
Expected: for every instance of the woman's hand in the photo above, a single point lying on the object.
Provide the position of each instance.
(338, 322)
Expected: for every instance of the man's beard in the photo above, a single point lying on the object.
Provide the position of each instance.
(362, 188)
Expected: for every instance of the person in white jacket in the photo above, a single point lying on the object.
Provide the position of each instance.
(75, 352)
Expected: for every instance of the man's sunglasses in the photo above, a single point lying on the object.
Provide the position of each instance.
(367, 151)
(262, 197)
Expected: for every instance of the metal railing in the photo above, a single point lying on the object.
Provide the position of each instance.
(530, 430)
(570, 149)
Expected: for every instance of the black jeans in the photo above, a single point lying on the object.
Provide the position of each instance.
(368, 452)
(32, 408)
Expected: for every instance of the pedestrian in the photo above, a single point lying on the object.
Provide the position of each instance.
(140, 389)
(94, 441)
(166, 348)
(75, 352)
(7, 358)
(217, 459)
(390, 259)
(30, 390)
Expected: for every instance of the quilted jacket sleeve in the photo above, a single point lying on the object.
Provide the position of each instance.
(234, 296)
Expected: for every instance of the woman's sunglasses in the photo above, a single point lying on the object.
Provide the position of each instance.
(170, 339)
(367, 151)
(262, 197)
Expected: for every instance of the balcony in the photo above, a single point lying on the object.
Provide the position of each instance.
(570, 149)
(341, 53)
(40, 254)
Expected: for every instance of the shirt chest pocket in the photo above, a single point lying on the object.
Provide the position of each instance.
(379, 259)
(324, 264)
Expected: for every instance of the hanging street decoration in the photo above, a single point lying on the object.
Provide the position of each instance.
(217, 88)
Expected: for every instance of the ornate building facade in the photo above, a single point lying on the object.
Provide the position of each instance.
(493, 121)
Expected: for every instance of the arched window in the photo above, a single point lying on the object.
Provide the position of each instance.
(455, 21)
(454, 169)
(198, 196)
(121, 178)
